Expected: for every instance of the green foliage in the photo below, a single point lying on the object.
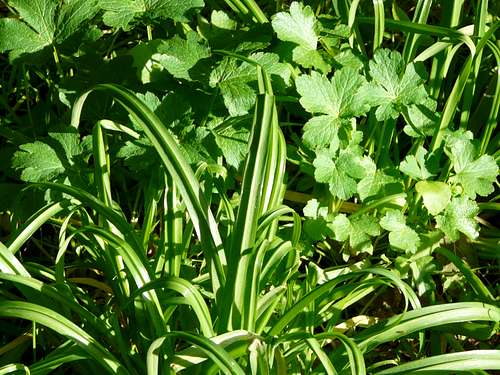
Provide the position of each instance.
(299, 26)
(357, 230)
(415, 165)
(474, 174)
(244, 186)
(177, 55)
(43, 23)
(458, 217)
(120, 14)
(336, 99)
(340, 171)
(234, 80)
(435, 194)
(401, 236)
(393, 86)
(44, 161)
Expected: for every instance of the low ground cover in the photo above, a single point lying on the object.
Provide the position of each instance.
(239, 186)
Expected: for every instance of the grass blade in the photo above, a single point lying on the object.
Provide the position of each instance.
(33, 224)
(137, 270)
(458, 89)
(449, 363)
(427, 317)
(477, 285)
(14, 367)
(356, 361)
(61, 325)
(245, 228)
(322, 356)
(199, 211)
(191, 295)
(425, 29)
(214, 351)
(378, 35)
(9, 263)
(64, 354)
(420, 16)
(49, 293)
(492, 122)
(321, 291)
(194, 356)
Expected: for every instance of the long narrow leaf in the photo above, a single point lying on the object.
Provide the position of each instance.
(179, 169)
(320, 292)
(449, 363)
(33, 224)
(61, 325)
(138, 272)
(427, 317)
(9, 263)
(214, 351)
(424, 29)
(194, 356)
(14, 367)
(63, 355)
(52, 294)
(245, 229)
(191, 295)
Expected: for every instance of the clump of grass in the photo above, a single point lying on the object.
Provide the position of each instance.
(206, 275)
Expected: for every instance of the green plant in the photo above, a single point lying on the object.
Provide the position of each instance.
(171, 246)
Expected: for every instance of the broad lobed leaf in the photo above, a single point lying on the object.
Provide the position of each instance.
(122, 13)
(297, 26)
(43, 23)
(475, 175)
(394, 86)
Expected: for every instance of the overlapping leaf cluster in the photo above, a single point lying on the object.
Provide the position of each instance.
(257, 181)
(382, 89)
(390, 89)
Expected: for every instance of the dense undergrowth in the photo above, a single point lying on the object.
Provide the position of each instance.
(235, 187)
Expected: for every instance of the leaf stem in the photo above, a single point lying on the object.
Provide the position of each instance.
(57, 60)
(492, 118)
(384, 142)
(378, 36)
(378, 202)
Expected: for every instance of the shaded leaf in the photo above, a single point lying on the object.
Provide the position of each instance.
(233, 141)
(422, 118)
(234, 81)
(43, 161)
(43, 23)
(358, 230)
(121, 13)
(178, 55)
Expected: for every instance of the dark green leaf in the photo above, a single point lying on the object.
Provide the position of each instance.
(121, 13)
(178, 55)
